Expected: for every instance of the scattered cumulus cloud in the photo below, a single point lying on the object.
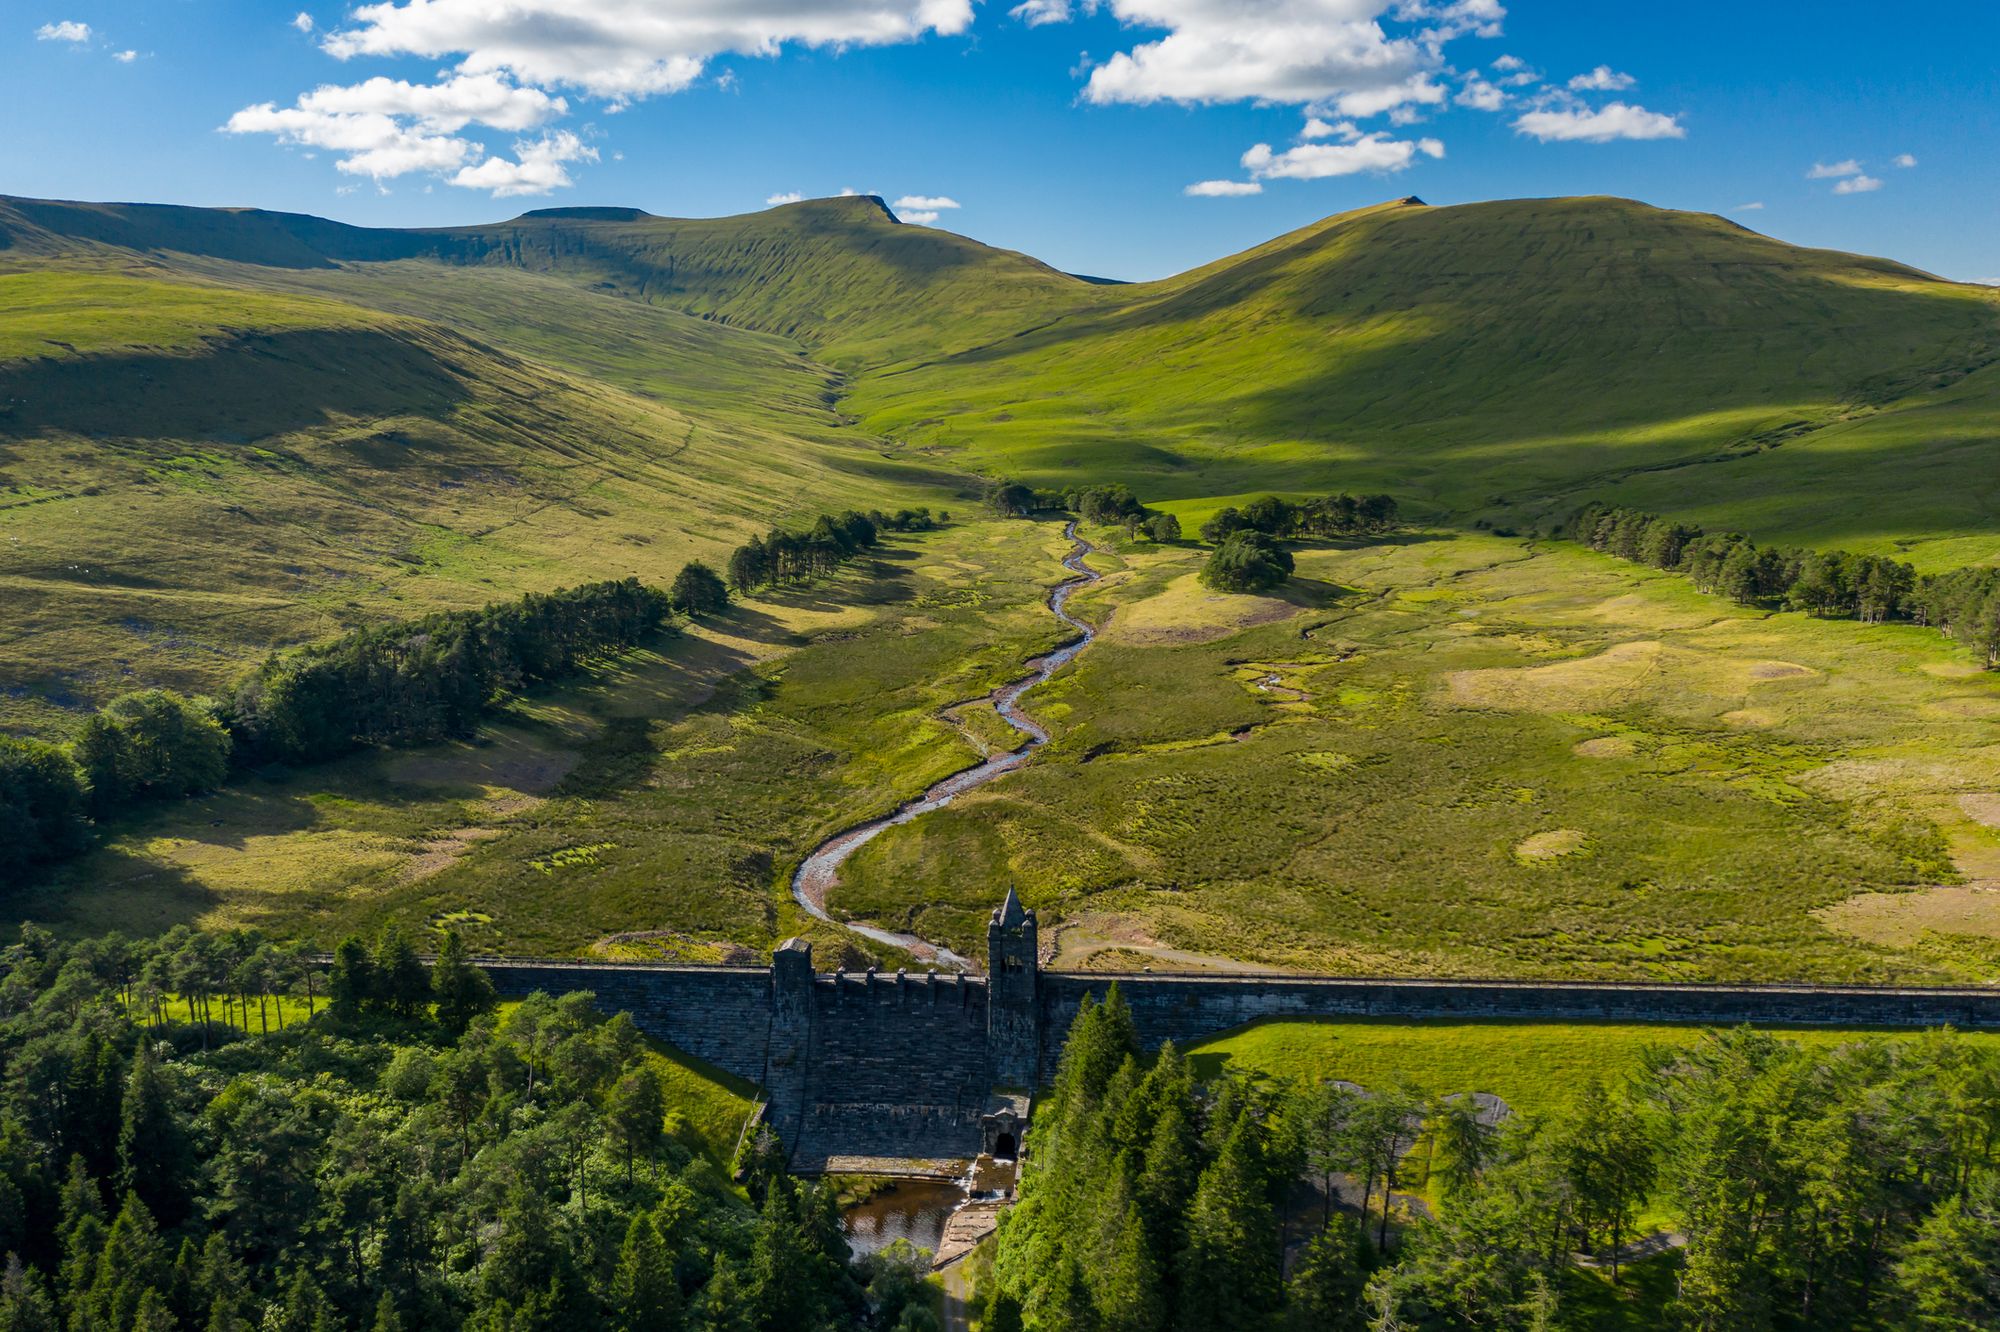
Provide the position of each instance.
(68, 30)
(1507, 64)
(1904, 160)
(1223, 189)
(541, 165)
(382, 128)
(1604, 124)
(1833, 170)
(1748, 208)
(924, 203)
(1315, 161)
(1602, 79)
(1319, 129)
(124, 57)
(622, 50)
(789, 196)
(1324, 53)
(1858, 184)
(1481, 95)
(303, 21)
(923, 217)
(1035, 13)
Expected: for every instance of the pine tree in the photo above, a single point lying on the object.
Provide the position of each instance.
(462, 991)
(643, 1290)
(155, 1158)
(25, 1305)
(1231, 1276)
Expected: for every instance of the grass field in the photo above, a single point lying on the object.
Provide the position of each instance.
(204, 473)
(1441, 754)
(1536, 1067)
(1458, 751)
(1479, 755)
(652, 811)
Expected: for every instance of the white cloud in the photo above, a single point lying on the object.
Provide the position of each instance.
(922, 218)
(1035, 13)
(1319, 129)
(487, 99)
(1332, 53)
(626, 49)
(370, 144)
(540, 167)
(1747, 208)
(124, 57)
(923, 203)
(303, 21)
(1615, 120)
(1602, 79)
(1862, 184)
(1507, 64)
(1453, 18)
(69, 30)
(1222, 189)
(389, 127)
(1904, 160)
(1480, 95)
(789, 196)
(1833, 170)
(1316, 161)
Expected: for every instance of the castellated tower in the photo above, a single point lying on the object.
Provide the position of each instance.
(1013, 1007)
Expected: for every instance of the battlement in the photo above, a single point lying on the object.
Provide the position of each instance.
(904, 1065)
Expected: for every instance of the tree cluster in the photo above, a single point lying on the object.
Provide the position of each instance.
(1247, 561)
(1326, 516)
(1855, 1186)
(394, 1163)
(1111, 505)
(782, 557)
(1834, 584)
(397, 684)
(421, 681)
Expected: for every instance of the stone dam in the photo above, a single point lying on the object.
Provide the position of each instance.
(939, 1067)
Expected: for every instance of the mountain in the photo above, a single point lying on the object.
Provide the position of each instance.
(223, 428)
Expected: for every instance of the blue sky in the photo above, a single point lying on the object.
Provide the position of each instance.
(1070, 130)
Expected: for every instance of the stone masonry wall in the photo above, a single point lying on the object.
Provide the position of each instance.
(721, 1014)
(899, 1068)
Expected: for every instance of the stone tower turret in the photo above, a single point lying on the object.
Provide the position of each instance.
(1013, 1005)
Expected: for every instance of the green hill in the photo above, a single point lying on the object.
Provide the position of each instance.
(224, 429)
(1484, 358)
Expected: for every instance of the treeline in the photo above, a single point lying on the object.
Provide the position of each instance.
(1816, 1187)
(1327, 516)
(1113, 505)
(402, 1161)
(1963, 603)
(782, 557)
(399, 684)
(429, 679)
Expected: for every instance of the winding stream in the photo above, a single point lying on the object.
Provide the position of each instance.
(818, 872)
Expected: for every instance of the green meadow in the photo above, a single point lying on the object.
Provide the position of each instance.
(1463, 749)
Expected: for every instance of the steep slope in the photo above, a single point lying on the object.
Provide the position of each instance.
(191, 473)
(840, 275)
(1507, 352)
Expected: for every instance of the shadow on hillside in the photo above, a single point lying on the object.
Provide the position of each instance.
(247, 387)
(108, 890)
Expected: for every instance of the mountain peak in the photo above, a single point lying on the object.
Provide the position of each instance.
(585, 214)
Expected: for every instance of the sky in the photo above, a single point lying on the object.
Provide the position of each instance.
(1121, 138)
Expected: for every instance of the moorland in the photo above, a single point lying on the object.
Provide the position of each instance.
(1467, 745)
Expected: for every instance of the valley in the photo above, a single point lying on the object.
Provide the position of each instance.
(1465, 748)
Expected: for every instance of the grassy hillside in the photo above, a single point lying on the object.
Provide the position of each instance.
(191, 472)
(1483, 359)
